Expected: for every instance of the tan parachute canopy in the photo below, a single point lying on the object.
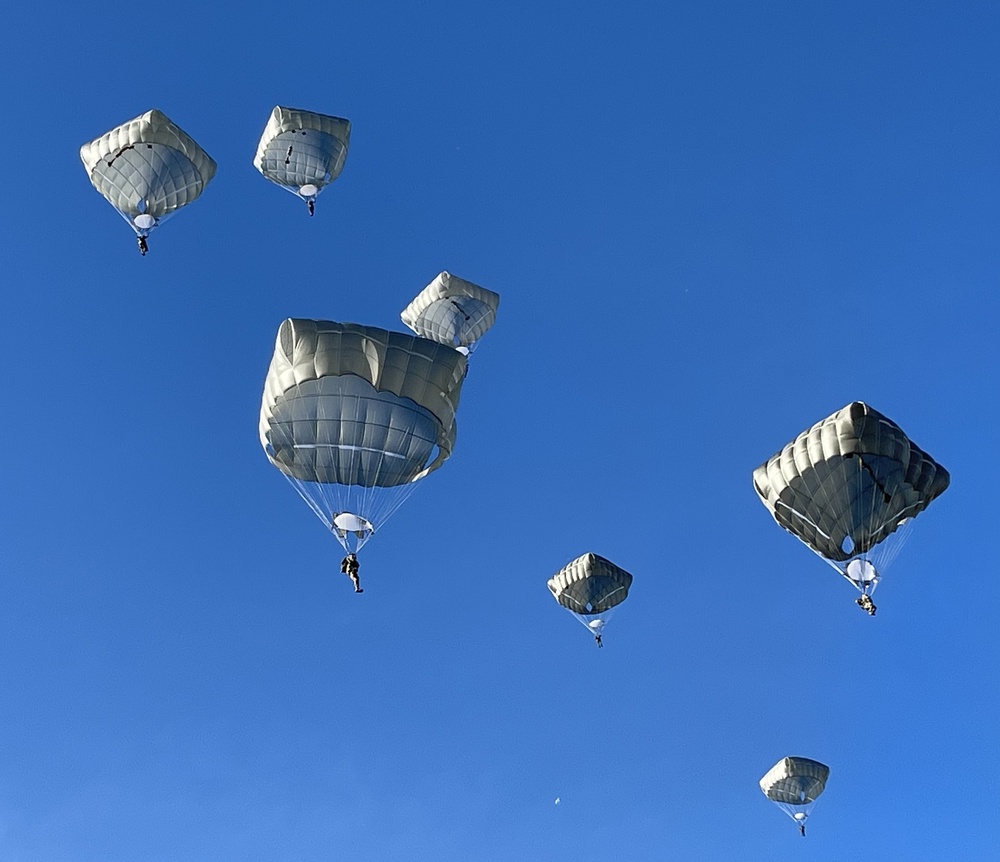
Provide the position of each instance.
(452, 311)
(147, 169)
(355, 415)
(794, 784)
(795, 780)
(302, 151)
(590, 585)
(848, 482)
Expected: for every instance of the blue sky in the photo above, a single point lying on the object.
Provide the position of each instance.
(711, 225)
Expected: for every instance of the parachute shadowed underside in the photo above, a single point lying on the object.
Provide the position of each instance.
(147, 169)
(354, 416)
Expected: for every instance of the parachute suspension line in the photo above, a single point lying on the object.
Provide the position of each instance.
(368, 501)
(390, 503)
(345, 498)
(877, 501)
(600, 621)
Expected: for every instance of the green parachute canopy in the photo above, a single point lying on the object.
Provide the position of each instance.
(846, 486)
(147, 169)
(354, 416)
(794, 784)
(302, 151)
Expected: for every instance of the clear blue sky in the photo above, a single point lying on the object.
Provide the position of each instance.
(711, 225)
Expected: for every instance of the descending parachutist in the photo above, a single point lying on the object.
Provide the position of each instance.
(865, 603)
(312, 207)
(349, 566)
(143, 248)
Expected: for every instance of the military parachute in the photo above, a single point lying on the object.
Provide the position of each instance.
(303, 152)
(794, 784)
(591, 588)
(452, 311)
(355, 416)
(849, 487)
(147, 169)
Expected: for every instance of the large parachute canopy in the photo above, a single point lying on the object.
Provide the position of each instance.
(452, 311)
(590, 587)
(848, 487)
(354, 416)
(147, 169)
(794, 784)
(302, 151)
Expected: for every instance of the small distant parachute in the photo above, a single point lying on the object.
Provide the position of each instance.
(849, 488)
(302, 151)
(794, 784)
(591, 588)
(452, 311)
(147, 169)
(354, 416)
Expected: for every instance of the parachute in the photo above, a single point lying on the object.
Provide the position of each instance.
(354, 416)
(453, 311)
(147, 169)
(793, 784)
(590, 588)
(303, 152)
(849, 487)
